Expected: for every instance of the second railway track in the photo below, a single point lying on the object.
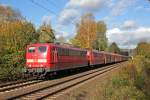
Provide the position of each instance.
(47, 89)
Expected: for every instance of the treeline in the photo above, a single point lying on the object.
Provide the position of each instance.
(92, 34)
(15, 33)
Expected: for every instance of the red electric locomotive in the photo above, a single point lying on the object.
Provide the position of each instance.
(49, 57)
(46, 58)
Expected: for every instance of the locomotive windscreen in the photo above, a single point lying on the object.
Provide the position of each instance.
(42, 49)
(31, 49)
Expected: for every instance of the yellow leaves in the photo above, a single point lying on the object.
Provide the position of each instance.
(15, 34)
(8, 14)
(101, 27)
(90, 34)
(86, 31)
(143, 48)
(46, 33)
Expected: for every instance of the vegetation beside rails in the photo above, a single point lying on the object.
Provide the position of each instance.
(132, 81)
(15, 33)
(11, 66)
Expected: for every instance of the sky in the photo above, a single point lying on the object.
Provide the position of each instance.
(128, 21)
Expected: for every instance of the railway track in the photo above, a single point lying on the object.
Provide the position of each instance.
(17, 85)
(47, 89)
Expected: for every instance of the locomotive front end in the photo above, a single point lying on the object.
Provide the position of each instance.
(37, 60)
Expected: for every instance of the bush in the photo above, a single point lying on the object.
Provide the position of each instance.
(133, 81)
(11, 66)
(123, 93)
(139, 82)
(127, 85)
(118, 82)
(9, 73)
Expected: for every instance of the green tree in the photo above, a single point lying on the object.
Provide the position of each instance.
(101, 40)
(114, 48)
(46, 33)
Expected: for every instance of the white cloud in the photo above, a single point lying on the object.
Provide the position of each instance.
(121, 6)
(142, 8)
(63, 34)
(57, 36)
(86, 4)
(68, 16)
(46, 19)
(129, 24)
(128, 39)
(74, 8)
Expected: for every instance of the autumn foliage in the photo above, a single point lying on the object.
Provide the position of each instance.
(86, 30)
(15, 33)
(90, 34)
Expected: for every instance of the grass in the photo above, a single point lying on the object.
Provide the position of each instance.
(131, 83)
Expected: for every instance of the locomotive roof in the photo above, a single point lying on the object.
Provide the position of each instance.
(69, 46)
(57, 45)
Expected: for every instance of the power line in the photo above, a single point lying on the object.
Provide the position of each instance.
(41, 6)
(48, 10)
(54, 5)
(73, 22)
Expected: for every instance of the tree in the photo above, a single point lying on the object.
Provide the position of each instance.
(143, 49)
(114, 48)
(75, 42)
(101, 40)
(46, 33)
(7, 14)
(86, 32)
(15, 34)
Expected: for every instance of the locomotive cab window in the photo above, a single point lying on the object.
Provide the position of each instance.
(31, 49)
(42, 49)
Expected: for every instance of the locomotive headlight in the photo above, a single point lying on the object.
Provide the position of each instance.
(42, 60)
(44, 54)
(30, 60)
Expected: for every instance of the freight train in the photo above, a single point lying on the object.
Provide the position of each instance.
(43, 59)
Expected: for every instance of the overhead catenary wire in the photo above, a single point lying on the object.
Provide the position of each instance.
(48, 10)
(43, 7)
(54, 4)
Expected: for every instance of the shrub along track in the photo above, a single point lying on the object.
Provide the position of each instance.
(47, 89)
